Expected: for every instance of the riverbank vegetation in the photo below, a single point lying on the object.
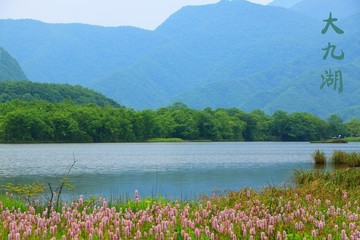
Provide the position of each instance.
(353, 139)
(331, 141)
(42, 121)
(319, 157)
(344, 159)
(321, 205)
(337, 159)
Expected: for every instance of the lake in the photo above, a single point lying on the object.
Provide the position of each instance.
(174, 170)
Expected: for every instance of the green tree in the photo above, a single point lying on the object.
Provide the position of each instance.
(305, 127)
(65, 128)
(280, 125)
(336, 126)
(208, 125)
(185, 124)
(261, 130)
(247, 121)
(167, 123)
(145, 125)
(24, 125)
(230, 126)
(353, 127)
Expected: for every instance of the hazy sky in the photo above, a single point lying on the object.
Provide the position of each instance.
(141, 13)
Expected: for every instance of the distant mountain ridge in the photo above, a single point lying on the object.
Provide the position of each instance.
(9, 67)
(229, 54)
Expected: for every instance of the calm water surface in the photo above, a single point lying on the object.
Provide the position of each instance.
(174, 170)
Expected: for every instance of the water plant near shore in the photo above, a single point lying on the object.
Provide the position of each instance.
(319, 157)
(341, 158)
(274, 213)
(338, 158)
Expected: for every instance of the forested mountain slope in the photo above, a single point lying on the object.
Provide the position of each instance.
(56, 93)
(229, 54)
(9, 67)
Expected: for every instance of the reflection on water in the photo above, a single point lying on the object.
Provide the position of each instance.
(175, 170)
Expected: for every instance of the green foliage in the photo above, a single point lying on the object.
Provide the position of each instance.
(353, 127)
(11, 202)
(34, 194)
(336, 126)
(29, 193)
(305, 127)
(41, 121)
(32, 91)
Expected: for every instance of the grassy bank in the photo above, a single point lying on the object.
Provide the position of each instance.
(321, 205)
(331, 141)
(166, 140)
(353, 139)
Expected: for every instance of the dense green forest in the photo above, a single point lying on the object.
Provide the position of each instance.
(32, 91)
(41, 121)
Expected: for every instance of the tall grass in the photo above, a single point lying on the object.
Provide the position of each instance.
(319, 157)
(341, 158)
(344, 179)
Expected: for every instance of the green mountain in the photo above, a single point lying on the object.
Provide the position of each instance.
(9, 67)
(31, 91)
(210, 45)
(229, 54)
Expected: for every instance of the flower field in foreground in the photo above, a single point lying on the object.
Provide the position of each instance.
(273, 214)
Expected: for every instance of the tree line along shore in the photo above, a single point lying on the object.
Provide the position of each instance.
(67, 121)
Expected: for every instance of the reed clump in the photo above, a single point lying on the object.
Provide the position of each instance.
(338, 179)
(344, 159)
(319, 157)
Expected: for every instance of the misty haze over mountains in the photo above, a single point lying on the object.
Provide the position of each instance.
(229, 54)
